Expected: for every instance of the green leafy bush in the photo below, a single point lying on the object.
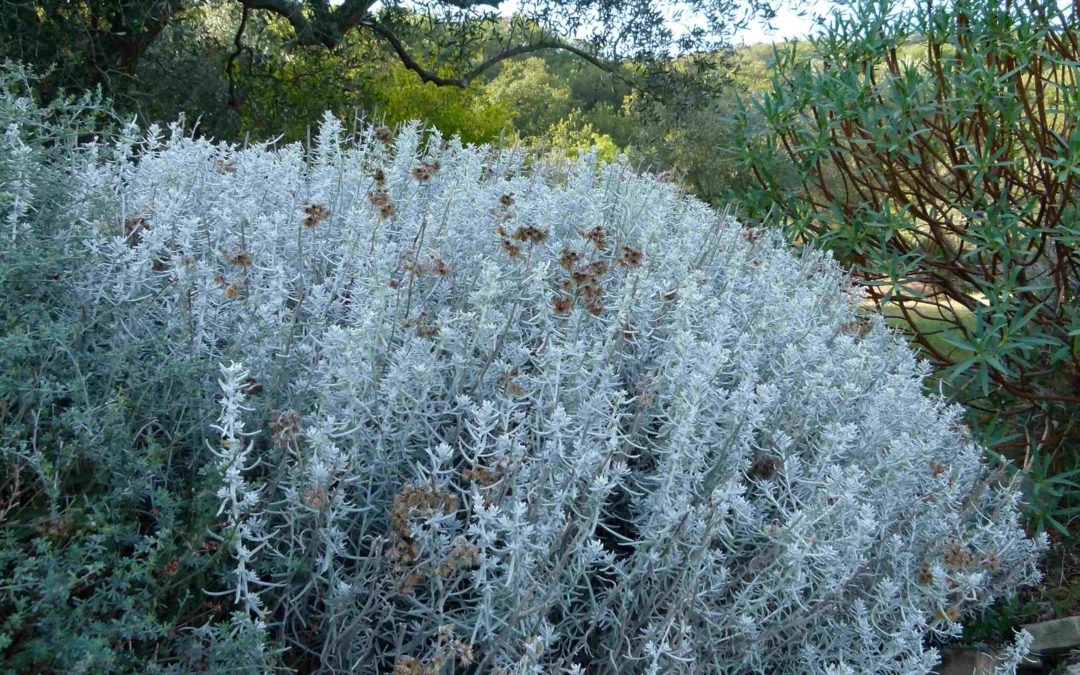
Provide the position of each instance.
(102, 512)
(938, 148)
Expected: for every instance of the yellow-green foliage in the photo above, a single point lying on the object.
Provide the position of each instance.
(463, 112)
(572, 136)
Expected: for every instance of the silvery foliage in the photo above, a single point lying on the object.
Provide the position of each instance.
(704, 462)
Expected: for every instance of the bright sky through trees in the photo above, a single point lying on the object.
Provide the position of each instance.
(791, 22)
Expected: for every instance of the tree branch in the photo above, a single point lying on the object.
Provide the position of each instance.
(544, 45)
(306, 32)
(407, 59)
(238, 42)
(328, 31)
(464, 81)
(351, 14)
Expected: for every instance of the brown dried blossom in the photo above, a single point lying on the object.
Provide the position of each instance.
(315, 214)
(948, 613)
(384, 135)
(426, 170)
(378, 198)
(512, 250)
(408, 665)
(234, 288)
(568, 259)
(440, 268)
(315, 496)
(597, 236)
(764, 467)
(629, 257)
(529, 234)
(239, 257)
(419, 499)
(957, 556)
(133, 228)
(423, 327)
(925, 576)
(463, 555)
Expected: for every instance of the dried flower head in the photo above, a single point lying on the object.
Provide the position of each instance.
(569, 258)
(440, 268)
(315, 496)
(422, 325)
(511, 249)
(384, 135)
(134, 227)
(239, 257)
(597, 236)
(926, 576)
(315, 214)
(950, 613)
(285, 428)
(629, 256)
(426, 170)
(764, 467)
(957, 556)
(378, 198)
(235, 287)
(529, 234)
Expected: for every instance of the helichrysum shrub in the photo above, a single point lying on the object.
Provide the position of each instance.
(461, 412)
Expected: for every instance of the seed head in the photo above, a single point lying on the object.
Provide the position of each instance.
(597, 236)
(384, 135)
(315, 214)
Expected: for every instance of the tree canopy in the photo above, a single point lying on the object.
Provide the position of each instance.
(445, 42)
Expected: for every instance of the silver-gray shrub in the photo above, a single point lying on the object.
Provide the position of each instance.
(482, 414)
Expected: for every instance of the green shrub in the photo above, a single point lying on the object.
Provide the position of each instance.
(938, 149)
(102, 562)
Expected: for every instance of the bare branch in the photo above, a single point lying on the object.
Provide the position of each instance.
(544, 45)
(238, 42)
(411, 63)
(328, 30)
(464, 81)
